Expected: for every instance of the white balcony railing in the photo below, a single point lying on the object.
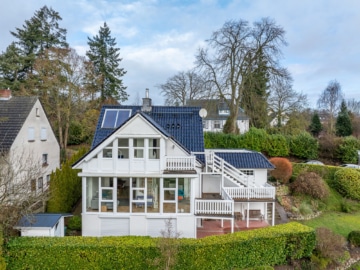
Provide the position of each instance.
(267, 191)
(180, 163)
(214, 207)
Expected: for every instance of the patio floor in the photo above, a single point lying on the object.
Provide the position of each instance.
(213, 227)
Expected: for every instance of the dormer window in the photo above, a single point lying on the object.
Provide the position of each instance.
(113, 118)
(224, 112)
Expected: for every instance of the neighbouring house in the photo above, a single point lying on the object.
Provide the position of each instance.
(274, 120)
(217, 112)
(148, 165)
(42, 224)
(27, 140)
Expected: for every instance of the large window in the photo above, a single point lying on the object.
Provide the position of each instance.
(107, 151)
(123, 148)
(154, 148)
(113, 118)
(169, 191)
(107, 199)
(138, 148)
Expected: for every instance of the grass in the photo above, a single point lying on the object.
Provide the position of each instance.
(339, 223)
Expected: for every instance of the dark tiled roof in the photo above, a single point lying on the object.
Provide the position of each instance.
(40, 220)
(183, 124)
(246, 160)
(212, 107)
(13, 113)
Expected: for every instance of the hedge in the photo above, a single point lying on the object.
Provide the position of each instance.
(267, 246)
(347, 182)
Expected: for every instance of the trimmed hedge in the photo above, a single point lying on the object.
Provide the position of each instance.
(304, 145)
(347, 183)
(266, 246)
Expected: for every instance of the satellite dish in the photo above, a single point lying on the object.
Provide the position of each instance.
(203, 113)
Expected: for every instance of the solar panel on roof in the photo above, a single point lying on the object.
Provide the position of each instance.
(113, 118)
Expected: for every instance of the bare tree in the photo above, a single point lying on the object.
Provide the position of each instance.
(330, 100)
(59, 80)
(184, 86)
(283, 100)
(19, 193)
(353, 106)
(168, 246)
(232, 55)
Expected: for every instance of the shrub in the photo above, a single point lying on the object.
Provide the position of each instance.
(347, 183)
(305, 209)
(354, 238)
(328, 146)
(283, 169)
(330, 247)
(310, 183)
(304, 145)
(74, 223)
(277, 146)
(347, 150)
(65, 186)
(255, 139)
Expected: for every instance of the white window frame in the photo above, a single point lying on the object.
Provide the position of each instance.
(31, 134)
(43, 134)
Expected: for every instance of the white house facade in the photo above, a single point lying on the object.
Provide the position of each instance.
(148, 166)
(28, 139)
(217, 112)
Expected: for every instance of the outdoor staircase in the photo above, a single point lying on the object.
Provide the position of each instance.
(232, 174)
(280, 215)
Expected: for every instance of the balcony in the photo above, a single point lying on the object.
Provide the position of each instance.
(251, 193)
(180, 163)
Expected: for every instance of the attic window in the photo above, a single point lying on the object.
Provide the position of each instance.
(224, 112)
(113, 118)
(37, 112)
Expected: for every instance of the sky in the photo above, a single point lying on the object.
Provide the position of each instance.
(159, 38)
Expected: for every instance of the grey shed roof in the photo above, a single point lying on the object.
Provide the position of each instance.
(13, 113)
(246, 159)
(45, 220)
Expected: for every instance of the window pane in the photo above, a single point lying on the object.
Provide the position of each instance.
(106, 194)
(107, 153)
(153, 192)
(138, 183)
(107, 182)
(138, 153)
(43, 135)
(123, 153)
(123, 142)
(123, 195)
(154, 153)
(109, 119)
(92, 194)
(169, 208)
(138, 142)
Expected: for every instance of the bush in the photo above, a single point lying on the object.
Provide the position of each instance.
(255, 139)
(277, 146)
(347, 183)
(65, 186)
(74, 223)
(347, 150)
(310, 183)
(328, 146)
(329, 246)
(354, 238)
(283, 169)
(304, 145)
(266, 246)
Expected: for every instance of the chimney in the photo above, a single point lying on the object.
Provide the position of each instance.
(5, 94)
(146, 107)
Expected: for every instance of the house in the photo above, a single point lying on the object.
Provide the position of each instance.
(217, 112)
(274, 121)
(148, 165)
(27, 140)
(42, 224)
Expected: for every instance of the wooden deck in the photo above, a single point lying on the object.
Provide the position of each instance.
(213, 227)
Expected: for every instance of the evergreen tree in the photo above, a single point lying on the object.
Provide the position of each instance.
(343, 123)
(39, 33)
(105, 59)
(11, 62)
(255, 97)
(315, 126)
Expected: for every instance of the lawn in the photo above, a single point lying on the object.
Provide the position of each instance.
(339, 223)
